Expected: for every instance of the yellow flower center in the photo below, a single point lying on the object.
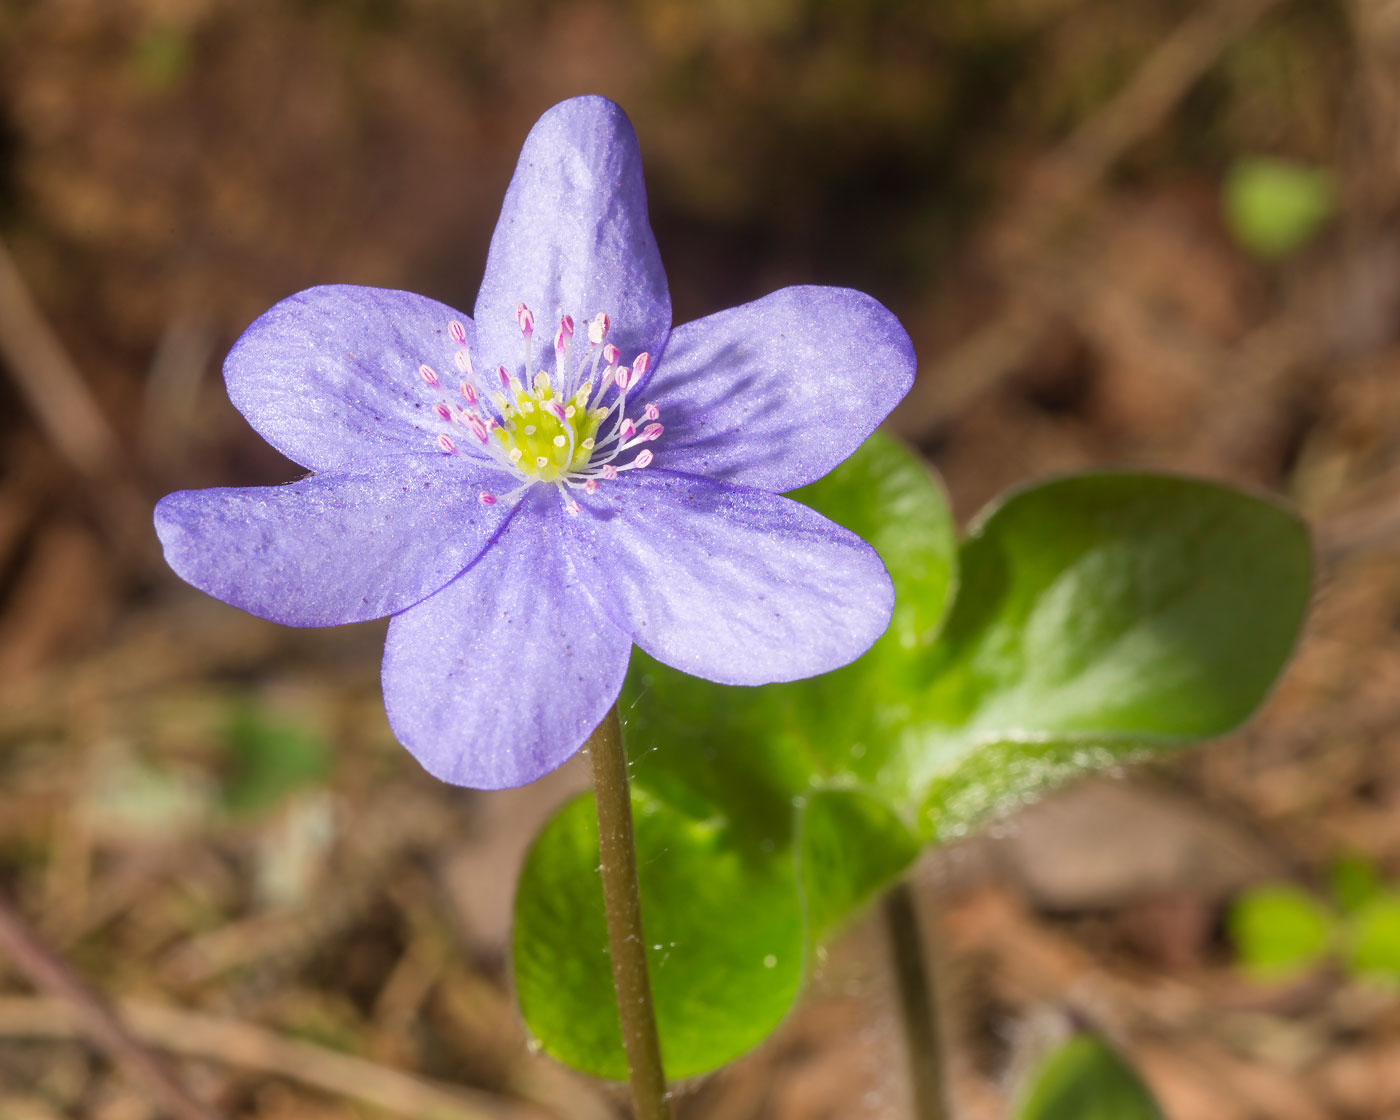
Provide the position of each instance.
(545, 436)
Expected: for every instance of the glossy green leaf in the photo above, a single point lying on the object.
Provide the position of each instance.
(1280, 931)
(726, 932)
(852, 846)
(1101, 616)
(1373, 948)
(1086, 1079)
(733, 790)
(1274, 207)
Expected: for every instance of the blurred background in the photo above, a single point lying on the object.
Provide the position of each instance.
(1163, 233)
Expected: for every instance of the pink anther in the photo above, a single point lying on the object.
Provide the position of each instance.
(468, 393)
(609, 472)
(457, 331)
(642, 364)
(487, 498)
(643, 459)
(572, 506)
(652, 412)
(558, 410)
(623, 377)
(443, 411)
(652, 431)
(445, 442)
(428, 375)
(628, 429)
(478, 429)
(598, 329)
(463, 361)
(504, 375)
(591, 486)
(611, 354)
(526, 319)
(561, 339)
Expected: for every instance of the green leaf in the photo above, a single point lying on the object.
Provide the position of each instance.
(1373, 942)
(1101, 616)
(270, 759)
(1085, 1079)
(1280, 931)
(1355, 881)
(727, 940)
(725, 782)
(852, 846)
(1274, 207)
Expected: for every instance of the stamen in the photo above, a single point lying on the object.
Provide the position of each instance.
(487, 498)
(458, 332)
(443, 411)
(525, 319)
(445, 442)
(463, 361)
(652, 412)
(598, 329)
(427, 374)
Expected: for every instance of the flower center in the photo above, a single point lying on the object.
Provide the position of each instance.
(569, 429)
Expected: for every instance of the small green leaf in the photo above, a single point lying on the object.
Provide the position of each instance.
(1373, 942)
(1280, 931)
(1102, 616)
(1274, 207)
(269, 759)
(1085, 1079)
(727, 940)
(1355, 881)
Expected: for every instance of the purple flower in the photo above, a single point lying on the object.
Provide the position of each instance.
(531, 490)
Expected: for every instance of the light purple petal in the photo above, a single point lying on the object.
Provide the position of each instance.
(330, 376)
(775, 393)
(728, 583)
(501, 676)
(573, 236)
(331, 548)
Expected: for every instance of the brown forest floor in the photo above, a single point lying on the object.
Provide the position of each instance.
(1033, 185)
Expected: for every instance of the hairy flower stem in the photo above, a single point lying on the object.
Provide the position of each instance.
(918, 1008)
(626, 941)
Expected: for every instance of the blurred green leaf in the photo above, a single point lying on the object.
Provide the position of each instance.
(1280, 931)
(1102, 616)
(1373, 941)
(161, 57)
(269, 759)
(1355, 880)
(1085, 1079)
(1274, 207)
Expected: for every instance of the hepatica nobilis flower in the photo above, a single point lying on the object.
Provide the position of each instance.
(530, 490)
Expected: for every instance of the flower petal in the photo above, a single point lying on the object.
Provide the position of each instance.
(775, 393)
(731, 584)
(573, 236)
(501, 676)
(331, 548)
(330, 376)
